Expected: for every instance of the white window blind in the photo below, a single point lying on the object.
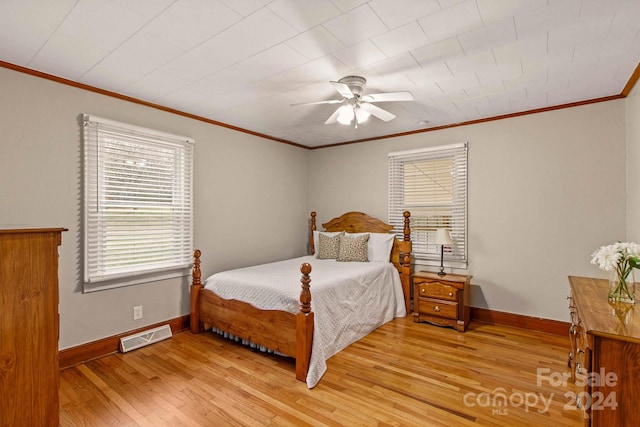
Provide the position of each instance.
(138, 216)
(431, 184)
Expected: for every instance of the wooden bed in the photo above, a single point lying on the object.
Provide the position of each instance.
(287, 333)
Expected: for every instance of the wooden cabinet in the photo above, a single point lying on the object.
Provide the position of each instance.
(605, 355)
(441, 300)
(29, 372)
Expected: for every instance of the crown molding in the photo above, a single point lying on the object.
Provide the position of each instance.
(625, 92)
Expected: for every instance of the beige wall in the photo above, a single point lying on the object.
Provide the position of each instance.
(632, 110)
(545, 190)
(250, 197)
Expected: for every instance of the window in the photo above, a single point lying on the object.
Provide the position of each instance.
(432, 184)
(138, 204)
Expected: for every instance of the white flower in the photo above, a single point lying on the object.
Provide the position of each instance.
(633, 250)
(606, 257)
(616, 256)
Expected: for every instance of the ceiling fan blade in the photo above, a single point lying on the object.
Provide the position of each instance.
(334, 117)
(389, 96)
(331, 101)
(383, 115)
(343, 89)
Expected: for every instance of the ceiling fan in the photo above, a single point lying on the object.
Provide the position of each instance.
(358, 106)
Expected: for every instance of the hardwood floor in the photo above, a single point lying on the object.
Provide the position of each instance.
(401, 374)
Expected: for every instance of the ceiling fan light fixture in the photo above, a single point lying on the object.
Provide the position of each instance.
(362, 115)
(346, 115)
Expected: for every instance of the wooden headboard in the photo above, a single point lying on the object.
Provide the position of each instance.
(358, 222)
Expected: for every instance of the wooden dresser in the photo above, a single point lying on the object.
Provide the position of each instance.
(29, 372)
(441, 300)
(605, 354)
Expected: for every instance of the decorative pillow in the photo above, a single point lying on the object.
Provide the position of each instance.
(353, 248)
(316, 234)
(380, 245)
(328, 247)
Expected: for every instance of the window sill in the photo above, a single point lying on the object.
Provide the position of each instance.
(122, 282)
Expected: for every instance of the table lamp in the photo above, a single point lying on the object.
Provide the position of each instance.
(443, 237)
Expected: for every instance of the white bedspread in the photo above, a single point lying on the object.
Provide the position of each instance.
(349, 299)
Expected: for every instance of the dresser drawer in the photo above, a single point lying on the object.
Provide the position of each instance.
(438, 290)
(434, 307)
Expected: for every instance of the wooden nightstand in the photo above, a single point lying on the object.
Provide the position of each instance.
(441, 300)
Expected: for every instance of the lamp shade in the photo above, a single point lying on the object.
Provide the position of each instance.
(362, 115)
(346, 115)
(443, 237)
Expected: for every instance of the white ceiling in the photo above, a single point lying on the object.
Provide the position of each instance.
(243, 62)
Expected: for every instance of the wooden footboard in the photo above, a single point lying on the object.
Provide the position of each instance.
(287, 333)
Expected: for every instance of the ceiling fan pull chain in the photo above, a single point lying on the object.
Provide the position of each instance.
(355, 116)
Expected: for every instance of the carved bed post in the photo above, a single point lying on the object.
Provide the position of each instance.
(305, 294)
(312, 248)
(405, 270)
(407, 238)
(304, 326)
(196, 287)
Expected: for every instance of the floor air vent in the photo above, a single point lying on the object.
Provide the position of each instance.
(145, 338)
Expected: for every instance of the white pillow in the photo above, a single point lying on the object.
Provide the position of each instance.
(380, 245)
(316, 244)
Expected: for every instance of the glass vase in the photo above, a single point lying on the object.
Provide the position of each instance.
(622, 289)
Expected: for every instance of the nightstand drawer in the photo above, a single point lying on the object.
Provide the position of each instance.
(434, 307)
(438, 290)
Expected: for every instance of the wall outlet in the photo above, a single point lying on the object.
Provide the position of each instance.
(137, 312)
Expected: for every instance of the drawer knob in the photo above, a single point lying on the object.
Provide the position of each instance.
(436, 308)
(423, 290)
(450, 294)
